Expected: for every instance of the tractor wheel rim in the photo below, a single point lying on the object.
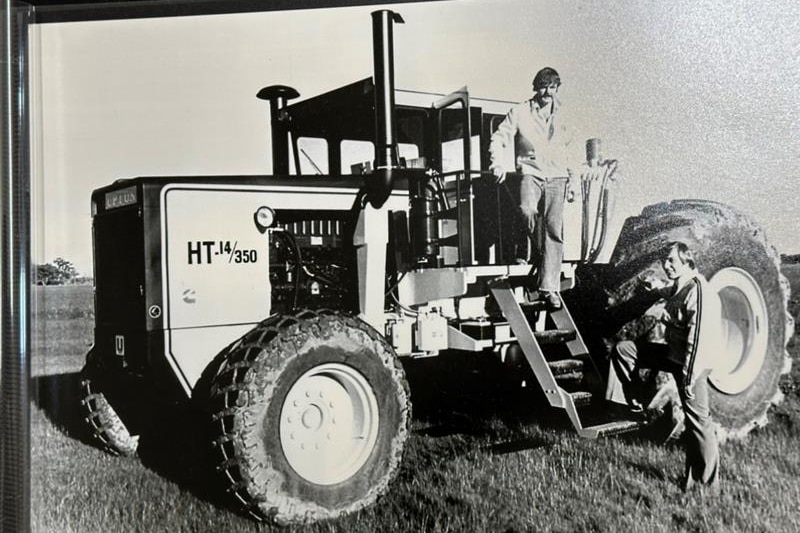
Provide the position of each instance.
(329, 423)
(745, 330)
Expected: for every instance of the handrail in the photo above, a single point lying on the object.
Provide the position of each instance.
(459, 96)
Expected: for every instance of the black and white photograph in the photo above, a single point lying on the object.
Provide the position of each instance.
(436, 266)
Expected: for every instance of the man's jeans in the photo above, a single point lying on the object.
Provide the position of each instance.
(702, 448)
(545, 196)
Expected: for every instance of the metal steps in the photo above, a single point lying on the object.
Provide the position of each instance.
(617, 427)
(554, 336)
(580, 398)
(564, 367)
(534, 307)
(567, 371)
(549, 336)
(552, 374)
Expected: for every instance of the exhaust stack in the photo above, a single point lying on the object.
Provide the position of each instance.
(379, 186)
(278, 96)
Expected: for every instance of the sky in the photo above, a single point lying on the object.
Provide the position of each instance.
(695, 98)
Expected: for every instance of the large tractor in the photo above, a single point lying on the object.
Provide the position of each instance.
(287, 307)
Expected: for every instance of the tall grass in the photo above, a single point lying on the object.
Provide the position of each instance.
(494, 468)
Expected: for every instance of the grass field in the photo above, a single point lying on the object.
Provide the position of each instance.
(485, 468)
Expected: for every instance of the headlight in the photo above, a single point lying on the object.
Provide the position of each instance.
(264, 218)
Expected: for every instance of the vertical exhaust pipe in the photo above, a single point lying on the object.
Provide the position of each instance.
(278, 96)
(379, 186)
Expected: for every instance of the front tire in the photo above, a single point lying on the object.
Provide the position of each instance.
(106, 427)
(310, 415)
(732, 252)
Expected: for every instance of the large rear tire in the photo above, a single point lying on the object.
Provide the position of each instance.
(733, 254)
(310, 415)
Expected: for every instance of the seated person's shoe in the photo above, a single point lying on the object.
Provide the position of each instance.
(622, 411)
(635, 406)
(552, 299)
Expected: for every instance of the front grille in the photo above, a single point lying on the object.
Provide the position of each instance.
(119, 268)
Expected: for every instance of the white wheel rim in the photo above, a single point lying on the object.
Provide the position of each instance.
(745, 330)
(329, 423)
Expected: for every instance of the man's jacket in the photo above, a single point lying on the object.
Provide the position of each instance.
(693, 327)
(541, 144)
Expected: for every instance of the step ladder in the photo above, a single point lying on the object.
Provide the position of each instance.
(548, 373)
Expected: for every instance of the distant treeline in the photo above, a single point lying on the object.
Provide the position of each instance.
(790, 259)
(59, 272)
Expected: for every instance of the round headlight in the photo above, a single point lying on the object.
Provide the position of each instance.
(265, 217)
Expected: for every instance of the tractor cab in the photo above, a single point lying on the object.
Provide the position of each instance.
(442, 146)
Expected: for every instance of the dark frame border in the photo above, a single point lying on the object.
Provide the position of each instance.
(48, 13)
(16, 270)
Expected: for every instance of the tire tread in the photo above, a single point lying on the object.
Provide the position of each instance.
(232, 382)
(642, 241)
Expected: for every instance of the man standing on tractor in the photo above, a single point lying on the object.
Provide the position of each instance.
(540, 140)
(692, 325)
